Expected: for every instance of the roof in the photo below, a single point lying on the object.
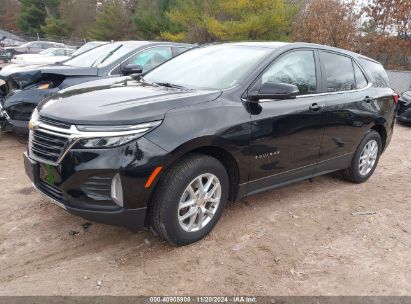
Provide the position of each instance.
(266, 44)
(278, 44)
(137, 43)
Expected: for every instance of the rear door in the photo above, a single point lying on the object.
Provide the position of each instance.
(286, 134)
(348, 111)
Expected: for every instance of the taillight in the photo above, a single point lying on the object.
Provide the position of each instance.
(396, 98)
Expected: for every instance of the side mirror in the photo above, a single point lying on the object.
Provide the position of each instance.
(131, 69)
(274, 90)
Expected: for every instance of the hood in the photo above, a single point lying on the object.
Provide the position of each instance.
(40, 59)
(28, 74)
(120, 100)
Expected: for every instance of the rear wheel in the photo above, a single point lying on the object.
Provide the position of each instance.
(365, 159)
(189, 199)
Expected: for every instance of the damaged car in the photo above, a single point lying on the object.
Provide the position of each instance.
(404, 108)
(24, 87)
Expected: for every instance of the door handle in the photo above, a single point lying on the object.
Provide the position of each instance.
(368, 99)
(315, 107)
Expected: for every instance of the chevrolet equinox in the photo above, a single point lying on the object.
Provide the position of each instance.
(168, 149)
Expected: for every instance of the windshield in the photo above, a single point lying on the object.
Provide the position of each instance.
(211, 67)
(87, 46)
(100, 56)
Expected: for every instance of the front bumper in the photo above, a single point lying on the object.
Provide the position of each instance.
(81, 183)
(133, 219)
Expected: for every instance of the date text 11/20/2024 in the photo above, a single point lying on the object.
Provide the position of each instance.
(204, 299)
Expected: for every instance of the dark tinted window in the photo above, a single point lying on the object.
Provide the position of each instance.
(296, 68)
(376, 71)
(360, 80)
(339, 72)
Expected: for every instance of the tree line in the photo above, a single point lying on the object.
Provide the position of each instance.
(377, 28)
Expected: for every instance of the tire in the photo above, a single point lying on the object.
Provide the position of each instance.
(354, 173)
(166, 215)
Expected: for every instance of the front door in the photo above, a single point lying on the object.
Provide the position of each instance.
(286, 134)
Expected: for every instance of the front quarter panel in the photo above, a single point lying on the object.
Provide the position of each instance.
(222, 123)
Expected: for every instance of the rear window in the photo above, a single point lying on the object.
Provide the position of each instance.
(376, 72)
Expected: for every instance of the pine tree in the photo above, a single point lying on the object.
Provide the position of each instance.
(214, 20)
(151, 19)
(33, 14)
(113, 22)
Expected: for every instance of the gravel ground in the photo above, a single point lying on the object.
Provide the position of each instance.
(298, 240)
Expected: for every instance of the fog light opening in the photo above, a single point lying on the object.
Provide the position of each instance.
(117, 190)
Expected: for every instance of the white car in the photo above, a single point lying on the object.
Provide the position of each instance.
(49, 56)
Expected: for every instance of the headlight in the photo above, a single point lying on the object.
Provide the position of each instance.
(107, 142)
(111, 136)
(34, 119)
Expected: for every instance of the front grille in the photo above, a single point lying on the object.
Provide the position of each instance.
(52, 191)
(54, 122)
(46, 146)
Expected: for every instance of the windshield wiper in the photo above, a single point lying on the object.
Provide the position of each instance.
(108, 55)
(170, 85)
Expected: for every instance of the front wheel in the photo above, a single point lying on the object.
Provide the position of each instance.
(365, 159)
(189, 199)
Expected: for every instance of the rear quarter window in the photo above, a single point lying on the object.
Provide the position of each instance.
(376, 72)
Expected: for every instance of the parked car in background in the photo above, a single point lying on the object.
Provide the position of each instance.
(404, 108)
(26, 86)
(88, 46)
(5, 56)
(33, 47)
(49, 56)
(217, 123)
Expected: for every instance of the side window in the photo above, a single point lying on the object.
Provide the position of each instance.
(59, 53)
(360, 80)
(35, 45)
(296, 68)
(339, 72)
(151, 58)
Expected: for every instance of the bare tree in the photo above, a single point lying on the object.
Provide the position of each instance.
(386, 32)
(330, 22)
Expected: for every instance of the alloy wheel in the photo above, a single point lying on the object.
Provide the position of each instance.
(368, 157)
(199, 202)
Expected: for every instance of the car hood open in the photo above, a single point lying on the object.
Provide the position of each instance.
(120, 100)
(28, 74)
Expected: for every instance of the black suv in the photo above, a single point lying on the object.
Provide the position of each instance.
(216, 123)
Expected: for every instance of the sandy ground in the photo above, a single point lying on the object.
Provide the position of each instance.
(297, 240)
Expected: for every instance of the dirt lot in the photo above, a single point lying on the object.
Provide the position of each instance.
(298, 240)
